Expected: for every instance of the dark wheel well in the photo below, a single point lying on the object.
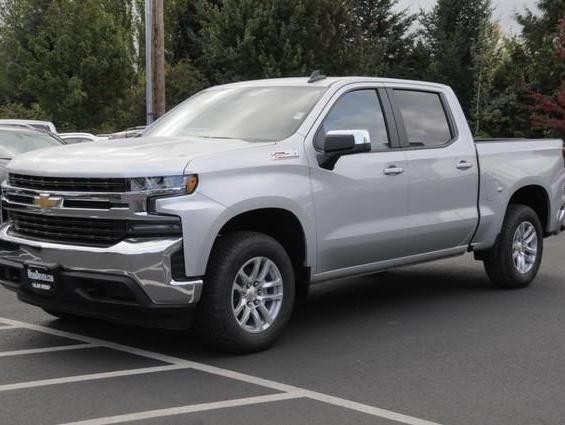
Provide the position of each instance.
(283, 226)
(536, 198)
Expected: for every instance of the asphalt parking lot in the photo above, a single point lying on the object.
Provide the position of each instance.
(426, 344)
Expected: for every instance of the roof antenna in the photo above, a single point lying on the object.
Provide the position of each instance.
(316, 76)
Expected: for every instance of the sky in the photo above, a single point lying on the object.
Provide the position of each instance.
(504, 10)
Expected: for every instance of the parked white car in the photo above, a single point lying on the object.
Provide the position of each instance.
(39, 125)
(72, 138)
(16, 140)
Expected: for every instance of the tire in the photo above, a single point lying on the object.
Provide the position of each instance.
(510, 265)
(232, 307)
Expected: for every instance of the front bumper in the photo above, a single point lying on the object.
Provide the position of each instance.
(122, 282)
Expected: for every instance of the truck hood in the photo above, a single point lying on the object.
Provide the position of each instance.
(139, 157)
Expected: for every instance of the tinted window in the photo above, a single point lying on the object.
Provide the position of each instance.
(41, 127)
(358, 110)
(13, 143)
(424, 118)
(73, 140)
(238, 112)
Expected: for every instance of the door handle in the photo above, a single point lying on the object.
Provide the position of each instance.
(464, 165)
(393, 170)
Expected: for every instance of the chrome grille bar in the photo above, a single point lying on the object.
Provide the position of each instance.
(70, 184)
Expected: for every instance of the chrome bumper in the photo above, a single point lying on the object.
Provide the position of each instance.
(146, 262)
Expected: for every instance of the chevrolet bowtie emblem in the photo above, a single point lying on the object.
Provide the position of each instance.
(44, 200)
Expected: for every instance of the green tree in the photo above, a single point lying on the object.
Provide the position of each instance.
(183, 80)
(487, 54)
(183, 47)
(526, 99)
(183, 23)
(75, 59)
(246, 39)
(453, 32)
(540, 33)
(386, 36)
(506, 112)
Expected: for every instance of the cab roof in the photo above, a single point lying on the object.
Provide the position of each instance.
(327, 82)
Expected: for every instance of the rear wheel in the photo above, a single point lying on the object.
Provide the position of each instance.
(248, 293)
(516, 258)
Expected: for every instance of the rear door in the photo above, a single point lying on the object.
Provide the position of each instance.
(441, 168)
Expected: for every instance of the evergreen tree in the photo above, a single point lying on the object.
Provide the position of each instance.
(487, 54)
(540, 33)
(506, 111)
(246, 39)
(385, 32)
(453, 31)
(183, 23)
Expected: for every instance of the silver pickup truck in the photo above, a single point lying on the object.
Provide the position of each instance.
(232, 204)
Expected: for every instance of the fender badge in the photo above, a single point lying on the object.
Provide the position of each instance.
(275, 156)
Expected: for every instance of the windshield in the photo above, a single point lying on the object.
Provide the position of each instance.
(248, 113)
(13, 143)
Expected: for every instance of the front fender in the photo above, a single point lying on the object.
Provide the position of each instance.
(203, 218)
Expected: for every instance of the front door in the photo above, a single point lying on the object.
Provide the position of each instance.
(360, 204)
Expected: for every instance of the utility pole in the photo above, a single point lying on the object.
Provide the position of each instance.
(159, 57)
(154, 59)
(149, 60)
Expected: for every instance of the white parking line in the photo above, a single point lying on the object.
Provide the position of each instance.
(89, 377)
(46, 350)
(159, 413)
(2, 326)
(182, 363)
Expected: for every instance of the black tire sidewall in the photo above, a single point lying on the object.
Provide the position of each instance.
(232, 253)
(517, 215)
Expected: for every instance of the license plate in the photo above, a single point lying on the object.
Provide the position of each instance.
(40, 278)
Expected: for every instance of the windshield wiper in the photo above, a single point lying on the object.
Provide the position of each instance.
(217, 137)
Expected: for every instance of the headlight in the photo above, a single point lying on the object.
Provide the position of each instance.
(166, 184)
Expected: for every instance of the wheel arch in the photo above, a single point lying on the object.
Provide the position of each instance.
(536, 197)
(285, 227)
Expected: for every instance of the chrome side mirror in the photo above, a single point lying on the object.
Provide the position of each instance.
(343, 142)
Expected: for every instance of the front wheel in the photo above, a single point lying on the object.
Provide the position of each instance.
(248, 293)
(515, 260)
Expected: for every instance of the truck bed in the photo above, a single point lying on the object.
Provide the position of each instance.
(508, 164)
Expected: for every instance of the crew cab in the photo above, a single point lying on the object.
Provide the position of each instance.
(229, 207)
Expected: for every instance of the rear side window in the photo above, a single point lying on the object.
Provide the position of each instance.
(357, 110)
(424, 118)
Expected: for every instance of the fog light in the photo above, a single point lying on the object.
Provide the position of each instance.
(157, 228)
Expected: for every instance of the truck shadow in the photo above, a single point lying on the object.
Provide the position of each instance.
(332, 307)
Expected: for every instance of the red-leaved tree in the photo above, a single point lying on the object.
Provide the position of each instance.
(549, 111)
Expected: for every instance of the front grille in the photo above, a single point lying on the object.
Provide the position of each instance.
(97, 232)
(69, 184)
